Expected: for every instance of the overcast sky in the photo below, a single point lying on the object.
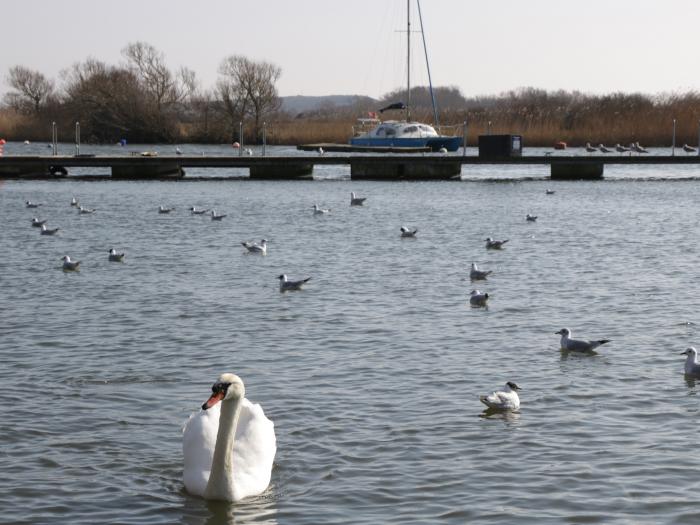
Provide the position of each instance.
(329, 47)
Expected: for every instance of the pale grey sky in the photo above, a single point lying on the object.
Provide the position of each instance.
(355, 46)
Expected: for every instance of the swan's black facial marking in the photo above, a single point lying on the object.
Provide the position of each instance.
(218, 393)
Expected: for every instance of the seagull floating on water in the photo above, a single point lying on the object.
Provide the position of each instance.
(530, 218)
(163, 209)
(478, 298)
(320, 211)
(85, 211)
(549, 192)
(114, 256)
(356, 201)
(578, 345)
(216, 217)
(478, 275)
(195, 211)
(31, 204)
(254, 247)
(70, 265)
(37, 223)
(503, 400)
(692, 367)
(492, 244)
(406, 233)
(74, 202)
(287, 285)
(48, 231)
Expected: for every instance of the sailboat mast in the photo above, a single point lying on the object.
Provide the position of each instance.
(408, 61)
(427, 65)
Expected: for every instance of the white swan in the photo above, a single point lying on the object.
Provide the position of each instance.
(228, 447)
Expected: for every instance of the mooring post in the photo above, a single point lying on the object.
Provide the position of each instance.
(54, 139)
(264, 137)
(464, 139)
(489, 131)
(77, 138)
(240, 139)
(673, 141)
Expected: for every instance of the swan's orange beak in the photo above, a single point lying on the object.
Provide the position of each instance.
(213, 400)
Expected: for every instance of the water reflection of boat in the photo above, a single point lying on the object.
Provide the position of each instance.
(406, 133)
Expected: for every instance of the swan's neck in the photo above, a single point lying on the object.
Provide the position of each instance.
(220, 485)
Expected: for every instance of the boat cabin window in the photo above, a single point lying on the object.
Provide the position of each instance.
(410, 129)
(390, 131)
(380, 132)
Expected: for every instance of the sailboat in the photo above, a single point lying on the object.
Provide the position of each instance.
(404, 133)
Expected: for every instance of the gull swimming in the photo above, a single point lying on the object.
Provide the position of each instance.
(31, 204)
(163, 209)
(492, 244)
(578, 345)
(85, 211)
(478, 298)
(48, 231)
(549, 192)
(356, 201)
(320, 211)
(287, 285)
(195, 211)
(74, 202)
(692, 367)
(506, 399)
(114, 256)
(405, 232)
(215, 217)
(478, 275)
(37, 223)
(70, 265)
(254, 247)
(530, 218)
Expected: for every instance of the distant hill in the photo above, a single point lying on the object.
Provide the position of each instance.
(300, 103)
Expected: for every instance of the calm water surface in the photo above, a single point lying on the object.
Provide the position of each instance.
(372, 373)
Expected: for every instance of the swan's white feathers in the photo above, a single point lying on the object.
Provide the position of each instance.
(254, 449)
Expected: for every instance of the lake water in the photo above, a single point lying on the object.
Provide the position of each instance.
(372, 374)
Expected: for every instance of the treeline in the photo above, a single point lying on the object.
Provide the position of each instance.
(142, 100)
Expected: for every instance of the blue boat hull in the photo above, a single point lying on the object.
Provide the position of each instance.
(434, 143)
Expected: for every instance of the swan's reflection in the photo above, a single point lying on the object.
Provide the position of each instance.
(198, 511)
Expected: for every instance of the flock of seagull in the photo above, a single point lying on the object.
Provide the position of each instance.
(634, 147)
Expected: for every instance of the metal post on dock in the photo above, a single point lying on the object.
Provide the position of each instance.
(240, 139)
(464, 139)
(264, 138)
(489, 131)
(77, 138)
(673, 141)
(698, 137)
(54, 139)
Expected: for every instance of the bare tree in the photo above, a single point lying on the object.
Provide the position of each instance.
(33, 89)
(247, 88)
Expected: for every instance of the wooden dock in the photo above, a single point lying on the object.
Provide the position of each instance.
(384, 167)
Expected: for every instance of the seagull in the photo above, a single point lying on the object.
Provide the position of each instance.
(589, 148)
(549, 192)
(31, 204)
(320, 211)
(356, 201)
(69, 265)
(37, 223)
(286, 285)
(406, 233)
(178, 151)
(320, 151)
(689, 149)
(604, 149)
(195, 211)
(692, 367)
(492, 244)
(74, 202)
(530, 218)
(47, 231)
(621, 149)
(215, 217)
(85, 211)
(478, 275)
(163, 209)
(443, 150)
(478, 298)
(114, 256)
(254, 247)
(248, 151)
(639, 149)
(503, 400)
(578, 345)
